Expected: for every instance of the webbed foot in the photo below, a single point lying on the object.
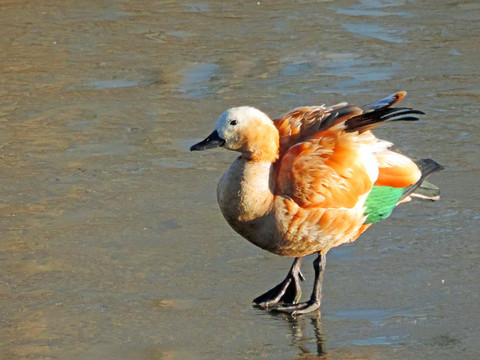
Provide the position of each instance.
(298, 309)
(313, 304)
(287, 292)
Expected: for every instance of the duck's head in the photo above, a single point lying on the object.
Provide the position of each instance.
(246, 130)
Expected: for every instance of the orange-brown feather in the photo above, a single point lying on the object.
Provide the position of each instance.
(396, 170)
(261, 143)
(304, 122)
(325, 171)
(309, 230)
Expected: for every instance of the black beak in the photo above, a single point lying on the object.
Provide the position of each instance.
(213, 140)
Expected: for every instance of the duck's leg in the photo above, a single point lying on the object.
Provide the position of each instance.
(288, 291)
(314, 302)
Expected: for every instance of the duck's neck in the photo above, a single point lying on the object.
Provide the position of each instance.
(245, 191)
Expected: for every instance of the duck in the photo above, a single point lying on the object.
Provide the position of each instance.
(311, 180)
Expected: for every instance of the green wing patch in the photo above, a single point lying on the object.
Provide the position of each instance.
(380, 202)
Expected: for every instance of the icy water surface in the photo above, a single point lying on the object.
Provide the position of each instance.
(112, 245)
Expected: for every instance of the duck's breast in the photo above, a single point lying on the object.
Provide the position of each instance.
(245, 198)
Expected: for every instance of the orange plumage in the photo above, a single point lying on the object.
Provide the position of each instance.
(301, 183)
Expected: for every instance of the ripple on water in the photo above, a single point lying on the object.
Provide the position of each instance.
(196, 82)
(379, 340)
(173, 164)
(375, 31)
(345, 69)
(378, 317)
(112, 84)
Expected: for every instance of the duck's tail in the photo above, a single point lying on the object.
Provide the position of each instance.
(382, 199)
(423, 189)
(380, 111)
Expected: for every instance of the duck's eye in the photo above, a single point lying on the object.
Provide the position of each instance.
(233, 122)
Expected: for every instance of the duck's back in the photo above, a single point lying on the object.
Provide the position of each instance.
(329, 164)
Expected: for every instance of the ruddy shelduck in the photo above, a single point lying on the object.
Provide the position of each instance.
(314, 179)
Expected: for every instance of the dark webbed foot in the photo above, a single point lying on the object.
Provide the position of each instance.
(300, 308)
(287, 292)
(315, 299)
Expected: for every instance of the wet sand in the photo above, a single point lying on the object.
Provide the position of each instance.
(112, 243)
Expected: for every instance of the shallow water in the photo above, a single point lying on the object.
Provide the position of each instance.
(112, 243)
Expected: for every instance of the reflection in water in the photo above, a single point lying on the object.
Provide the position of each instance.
(300, 327)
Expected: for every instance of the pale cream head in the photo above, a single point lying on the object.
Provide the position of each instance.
(249, 131)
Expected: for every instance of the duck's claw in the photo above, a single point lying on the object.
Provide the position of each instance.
(287, 292)
(298, 309)
(314, 303)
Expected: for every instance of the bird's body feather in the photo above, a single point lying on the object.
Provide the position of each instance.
(319, 181)
(312, 180)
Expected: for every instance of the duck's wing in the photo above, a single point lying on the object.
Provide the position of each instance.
(385, 102)
(304, 122)
(320, 188)
(326, 165)
(329, 170)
